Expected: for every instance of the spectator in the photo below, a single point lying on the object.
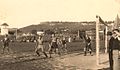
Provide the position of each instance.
(114, 44)
(117, 41)
(110, 50)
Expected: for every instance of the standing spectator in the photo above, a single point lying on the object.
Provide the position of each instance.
(114, 44)
(40, 46)
(6, 42)
(88, 45)
(110, 50)
(117, 40)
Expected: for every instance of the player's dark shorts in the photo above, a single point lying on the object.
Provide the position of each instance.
(63, 42)
(5, 45)
(88, 47)
(54, 45)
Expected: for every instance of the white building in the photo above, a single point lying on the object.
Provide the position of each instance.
(4, 29)
(40, 32)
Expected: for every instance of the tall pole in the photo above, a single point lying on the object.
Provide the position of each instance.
(106, 28)
(78, 33)
(16, 33)
(97, 40)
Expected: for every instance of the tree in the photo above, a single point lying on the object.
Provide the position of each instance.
(49, 31)
(34, 32)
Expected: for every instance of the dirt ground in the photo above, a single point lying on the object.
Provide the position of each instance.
(29, 61)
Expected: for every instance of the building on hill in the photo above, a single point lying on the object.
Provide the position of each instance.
(4, 29)
(40, 32)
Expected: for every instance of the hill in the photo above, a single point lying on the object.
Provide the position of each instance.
(56, 26)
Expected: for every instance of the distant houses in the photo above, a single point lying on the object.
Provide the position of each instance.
(40, 32)
(5, 30)
(58, 27)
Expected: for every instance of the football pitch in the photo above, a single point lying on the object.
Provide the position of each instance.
(23, 57)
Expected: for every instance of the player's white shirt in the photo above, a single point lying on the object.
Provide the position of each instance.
(54, 39)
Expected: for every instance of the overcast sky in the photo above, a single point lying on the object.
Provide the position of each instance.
(21, 13)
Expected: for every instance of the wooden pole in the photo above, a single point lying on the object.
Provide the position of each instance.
(106, 28)
(16, 33)
(97, 40)
(78, 33)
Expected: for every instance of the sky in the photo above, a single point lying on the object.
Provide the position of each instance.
(21, 13)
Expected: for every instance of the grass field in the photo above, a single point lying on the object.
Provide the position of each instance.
(30, 46)
(26, 58)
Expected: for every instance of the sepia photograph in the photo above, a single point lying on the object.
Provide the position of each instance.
(59, 34)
